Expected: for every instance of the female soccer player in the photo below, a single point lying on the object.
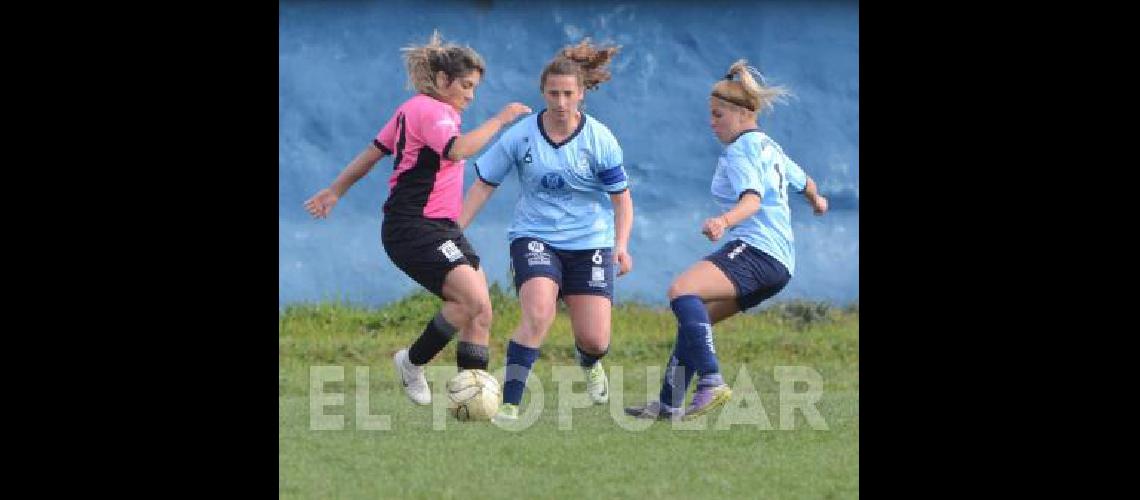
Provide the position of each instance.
(419, 231)
(563, 241)
(751, 186)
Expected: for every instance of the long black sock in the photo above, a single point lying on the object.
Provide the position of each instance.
(470, 356)
(435, 337)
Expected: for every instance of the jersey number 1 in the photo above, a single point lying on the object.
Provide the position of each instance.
(781, 188)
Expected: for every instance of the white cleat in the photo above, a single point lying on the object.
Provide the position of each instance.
(596, 384)
(508, 413)
(412, 377)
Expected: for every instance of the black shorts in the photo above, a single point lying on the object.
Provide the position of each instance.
(756, 275)
(426, 249)
(577, 272)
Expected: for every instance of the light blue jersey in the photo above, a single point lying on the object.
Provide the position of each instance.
(754, 162)
(566, 187)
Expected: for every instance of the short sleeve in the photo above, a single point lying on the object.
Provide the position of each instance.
(386, 139)
(610, 169)
(437, 128)
(498, 160)
(797, 179)
(743, 173)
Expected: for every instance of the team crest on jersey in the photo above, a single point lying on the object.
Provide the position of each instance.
(581, 168)
(527, 158)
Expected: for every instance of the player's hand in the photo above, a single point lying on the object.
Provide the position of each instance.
(624, 261)
(321, 203)
(512, 111)
(714, 227)
(819, 205)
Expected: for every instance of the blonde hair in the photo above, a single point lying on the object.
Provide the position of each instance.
(423, 61)
(584, 61)
(740, 87)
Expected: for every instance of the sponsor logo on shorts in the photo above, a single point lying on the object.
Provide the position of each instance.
(538, 259)
(597, 258)
(736, 251)
(598, 277)
(537, 256)
(450, 251)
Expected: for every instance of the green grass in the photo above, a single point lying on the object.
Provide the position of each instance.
(596, 456)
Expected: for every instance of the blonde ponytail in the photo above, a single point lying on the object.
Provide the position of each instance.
(740, 87)
(423, 61)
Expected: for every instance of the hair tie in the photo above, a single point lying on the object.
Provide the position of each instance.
(728, 77)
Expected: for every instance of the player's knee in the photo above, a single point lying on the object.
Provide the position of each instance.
(537, 318)
(539, 312)
(479, 310)
(679, 288)
(455, 312)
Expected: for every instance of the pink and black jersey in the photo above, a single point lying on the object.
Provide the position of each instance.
(424, 183)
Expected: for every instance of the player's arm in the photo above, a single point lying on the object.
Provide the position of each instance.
(473, 202)
(746, 206)
(799, 180)
(743, 170)
(623, 225)
(468, 144)
(818, 201)
(490, 171)
(356, 169)
(322, 203)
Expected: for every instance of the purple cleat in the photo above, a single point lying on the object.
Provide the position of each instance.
(706, 399)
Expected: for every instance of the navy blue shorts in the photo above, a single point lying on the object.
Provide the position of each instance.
(577, 272)
(756, 275)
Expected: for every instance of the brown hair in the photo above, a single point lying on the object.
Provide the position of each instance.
(423, 61)
(739, 87)
(584, 61)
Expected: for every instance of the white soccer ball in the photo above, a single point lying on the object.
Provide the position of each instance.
(473, 395)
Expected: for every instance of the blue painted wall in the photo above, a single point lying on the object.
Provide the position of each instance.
(341, 77)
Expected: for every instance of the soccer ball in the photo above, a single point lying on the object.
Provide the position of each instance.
(473, 395)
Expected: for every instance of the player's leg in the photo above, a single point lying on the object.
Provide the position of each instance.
(588, 287)
(703, 281)
(437, 256)
(693, 351)
(590, 320)
(721, 309)
(537, 273)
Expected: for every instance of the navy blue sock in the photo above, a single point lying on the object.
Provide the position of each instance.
(693, 324)
(675, 383)
(587, 360)
(520, 359)
(710, 380)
